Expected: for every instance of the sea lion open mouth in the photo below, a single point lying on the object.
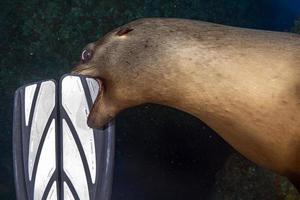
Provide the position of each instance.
(96, 105)
(88, 71)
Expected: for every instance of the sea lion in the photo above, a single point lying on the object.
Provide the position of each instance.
(243, 83)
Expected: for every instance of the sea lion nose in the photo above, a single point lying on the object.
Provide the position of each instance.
(83, 70)
(77, 69)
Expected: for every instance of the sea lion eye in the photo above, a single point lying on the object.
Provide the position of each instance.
(86, 55)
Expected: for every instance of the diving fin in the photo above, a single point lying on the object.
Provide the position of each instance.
(35, 141)
(87, 154)
(55, 154)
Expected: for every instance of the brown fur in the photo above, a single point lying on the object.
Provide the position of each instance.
(243, 83)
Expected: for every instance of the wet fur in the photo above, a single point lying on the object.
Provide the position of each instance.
(244, 83)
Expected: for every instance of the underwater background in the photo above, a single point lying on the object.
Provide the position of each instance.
(161, 153)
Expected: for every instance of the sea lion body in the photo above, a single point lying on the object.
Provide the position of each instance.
(243, 83)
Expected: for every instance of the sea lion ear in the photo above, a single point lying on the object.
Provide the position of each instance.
(124, 31)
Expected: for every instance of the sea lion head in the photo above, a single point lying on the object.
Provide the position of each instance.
(127, 63)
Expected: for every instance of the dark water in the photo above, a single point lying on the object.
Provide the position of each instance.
(165, 154)
(160, 153)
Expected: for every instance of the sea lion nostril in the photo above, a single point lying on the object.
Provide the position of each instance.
(124, 31)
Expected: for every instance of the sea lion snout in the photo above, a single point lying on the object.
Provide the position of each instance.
(103, 109)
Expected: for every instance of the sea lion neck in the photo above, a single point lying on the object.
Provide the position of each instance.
(238, 89)
(220, 67)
